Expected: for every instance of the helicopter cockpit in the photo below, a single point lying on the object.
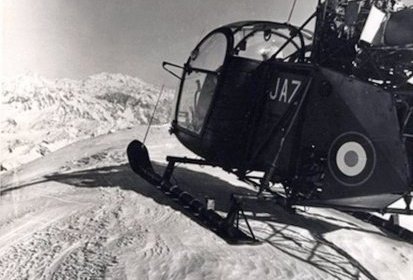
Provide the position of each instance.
(232, 51)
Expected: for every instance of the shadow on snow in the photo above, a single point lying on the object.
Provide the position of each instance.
(278, 228)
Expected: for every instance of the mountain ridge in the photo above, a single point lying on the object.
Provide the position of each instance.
(40, 115)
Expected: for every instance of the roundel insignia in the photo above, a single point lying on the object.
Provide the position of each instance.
(352, 158)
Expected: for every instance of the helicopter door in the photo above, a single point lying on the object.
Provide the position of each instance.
(199, 82)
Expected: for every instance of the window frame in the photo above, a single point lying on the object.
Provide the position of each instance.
(188, 69)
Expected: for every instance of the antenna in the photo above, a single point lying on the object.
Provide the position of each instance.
(291, 11)
(153, 114)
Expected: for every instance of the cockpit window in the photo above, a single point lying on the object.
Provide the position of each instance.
(200, 81)
(210, 54)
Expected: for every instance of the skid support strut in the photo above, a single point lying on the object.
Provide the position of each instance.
(234, 214)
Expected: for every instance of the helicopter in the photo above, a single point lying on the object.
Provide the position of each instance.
(327, 115)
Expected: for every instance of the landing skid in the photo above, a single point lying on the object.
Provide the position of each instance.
(227, 228)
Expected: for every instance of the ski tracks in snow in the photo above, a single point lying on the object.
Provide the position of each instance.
(66, 242)
(111, 233)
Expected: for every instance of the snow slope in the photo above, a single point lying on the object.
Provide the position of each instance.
(40, 115)
(80, 213)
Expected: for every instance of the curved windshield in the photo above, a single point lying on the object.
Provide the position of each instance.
(200, 81)
(210, 54)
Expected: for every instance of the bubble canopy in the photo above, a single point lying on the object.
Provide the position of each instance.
(250, 40)
(258, 40)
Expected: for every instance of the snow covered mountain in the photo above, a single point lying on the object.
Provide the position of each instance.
(40, 115)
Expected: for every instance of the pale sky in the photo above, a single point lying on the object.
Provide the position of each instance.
(77, 38)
